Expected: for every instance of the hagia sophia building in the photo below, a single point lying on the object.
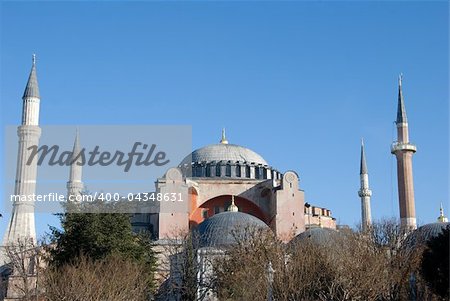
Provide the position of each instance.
(228, 185)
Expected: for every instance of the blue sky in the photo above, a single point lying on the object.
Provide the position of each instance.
(298, 82)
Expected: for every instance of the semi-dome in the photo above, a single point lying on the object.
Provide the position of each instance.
(221, 229)
(224, 152)
(317, 235)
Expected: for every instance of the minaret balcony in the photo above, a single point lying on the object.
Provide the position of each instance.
(402, 146)
(365, 193)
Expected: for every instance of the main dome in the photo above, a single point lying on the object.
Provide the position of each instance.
(224, 152)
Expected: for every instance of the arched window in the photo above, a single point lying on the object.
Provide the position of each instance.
(218, 170)
(257, 175)
(198, 171)
(238, 171)
(208, 170)
(228, 170)
(247, 171)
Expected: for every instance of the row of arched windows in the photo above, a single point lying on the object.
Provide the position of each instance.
(234, 170)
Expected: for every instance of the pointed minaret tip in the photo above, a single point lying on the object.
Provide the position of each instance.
(76, 144)
(224, 139)
(32, 88)
(401, 111)
(76, 147)
(363, 166)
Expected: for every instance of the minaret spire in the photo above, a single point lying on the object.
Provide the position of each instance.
(364, 192)
(22, 223)
(75, 185)
(401, 111)
(363, 166)
(403, 151)
(32, 87)
(224, 139)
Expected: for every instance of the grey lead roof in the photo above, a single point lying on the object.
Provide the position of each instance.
(32, 88)
(223, 228)
(424, 233)
(401, 111)
(224, 152)
(316, 235)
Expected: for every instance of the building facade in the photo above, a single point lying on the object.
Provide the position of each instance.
(212, 175)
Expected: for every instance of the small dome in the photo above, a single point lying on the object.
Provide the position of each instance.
(218, 230)
(317, 235)
(224, 152)
(425, 233)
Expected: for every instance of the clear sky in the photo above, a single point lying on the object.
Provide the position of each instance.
(298, 82)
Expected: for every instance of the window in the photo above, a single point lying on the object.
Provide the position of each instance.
(216, 209)
(264, 173)
(247, 171)
(218, 170)
(228, 170)
(257, 175)
(205, 213)
(208, 170)
(238, 171)
(198, 171)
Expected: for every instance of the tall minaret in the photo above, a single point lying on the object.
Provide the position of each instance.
(403, 151)
(364, 192)
(75, 185)
(22, 225)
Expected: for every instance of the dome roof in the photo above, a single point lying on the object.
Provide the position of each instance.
(224, 152)
(317, 235)
(222, 228)
(425, 233)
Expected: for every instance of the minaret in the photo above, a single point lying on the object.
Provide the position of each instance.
(364, 192)
(22, 225)
(403, 151)
(75, 185)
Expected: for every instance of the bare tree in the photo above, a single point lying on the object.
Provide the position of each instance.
(23, 259)
(111, 278)
(184, 268)
(371, 265)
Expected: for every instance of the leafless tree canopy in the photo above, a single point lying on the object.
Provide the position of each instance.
(112, 278)
(23, 258)
(373, 265)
